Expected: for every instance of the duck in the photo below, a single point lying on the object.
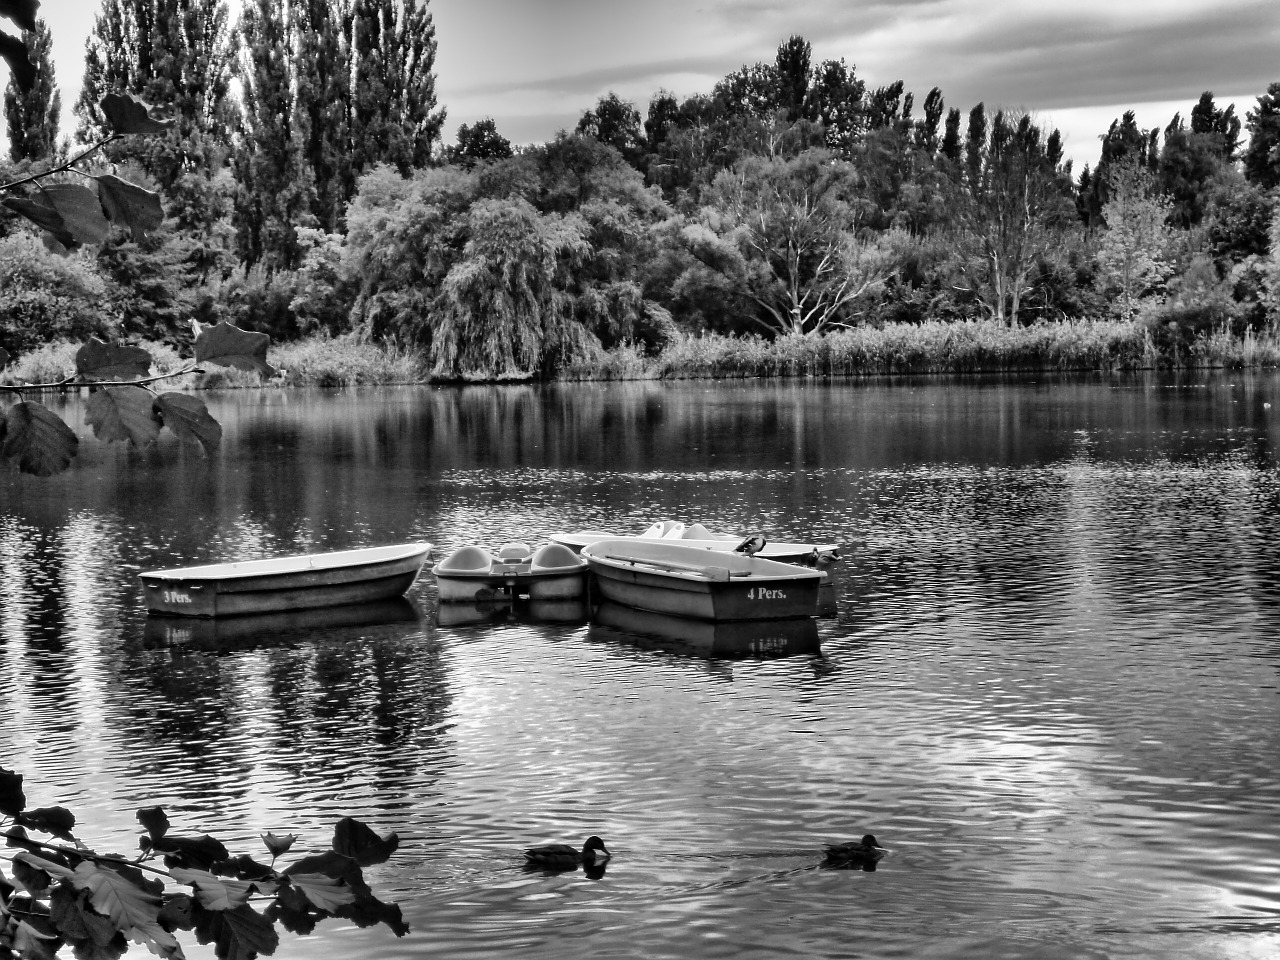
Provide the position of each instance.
(751, 545)
(855, 852)
(563, 855)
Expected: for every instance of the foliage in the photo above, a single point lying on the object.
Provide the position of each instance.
(478, 143)
(44, 296)
(1131, 253)
(344, 362)
(32, 115)
(1262, 157)
(64, 895)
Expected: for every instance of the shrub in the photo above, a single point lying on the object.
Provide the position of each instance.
(45, 297)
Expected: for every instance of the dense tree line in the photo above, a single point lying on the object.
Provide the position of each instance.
(308, 190)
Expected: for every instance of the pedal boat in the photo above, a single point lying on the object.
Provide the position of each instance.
(472, 574)
(696, 534)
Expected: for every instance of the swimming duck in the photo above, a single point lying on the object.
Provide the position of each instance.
(563, 855)
(864, 851)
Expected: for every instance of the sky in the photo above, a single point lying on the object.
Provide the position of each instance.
(535, 66)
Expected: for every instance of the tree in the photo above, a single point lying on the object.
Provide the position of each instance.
(616, 123)
(393, 99)
(1262, 156)
(323, 105)
(504, 308)
(1132, 248)
(479, 143)
(793, 76)
(33, 114)
(275, 188)
(784, 230)
(1020, 200)
(837, 96)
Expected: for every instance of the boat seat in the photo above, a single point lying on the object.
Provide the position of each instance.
(467, 560)
(554, 556)
(511, 552)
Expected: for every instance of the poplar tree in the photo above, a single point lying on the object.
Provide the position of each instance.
(322, 105)
(32, 116)
(393, 105)
(275, 188)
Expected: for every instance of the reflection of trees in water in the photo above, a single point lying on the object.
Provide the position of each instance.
(343, 719)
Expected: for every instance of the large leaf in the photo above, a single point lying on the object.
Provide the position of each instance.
(188, 417)
(97, 360)
(324, 892)
(131, 907)
(54, 868)
(37, 439)
(239, 934)
(31, 943)
(353, 839)
(71, 914)
(57, 821)
(32, 878)
(214, 892)
(21, 12)
(127, 114)
(80, 210)
(12, 800)
(226, 344)
(198, 852)
(45, 215)
(122, 413)
(15, 53)
(130, 205)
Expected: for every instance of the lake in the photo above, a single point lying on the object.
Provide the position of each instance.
(1050, 687)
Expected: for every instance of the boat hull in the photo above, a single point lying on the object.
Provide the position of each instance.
(687, 581)
(287, 583)
(796, 636)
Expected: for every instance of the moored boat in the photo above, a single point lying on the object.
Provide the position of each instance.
(471, 574)
(694, 581)
(285, 583)
(696, 534)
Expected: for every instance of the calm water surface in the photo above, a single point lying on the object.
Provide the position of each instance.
(1050, 687)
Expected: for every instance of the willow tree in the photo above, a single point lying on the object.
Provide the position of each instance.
(504, 308)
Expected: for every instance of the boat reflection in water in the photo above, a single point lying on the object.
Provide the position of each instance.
(267, 629)
(504, 611)
(791, 637)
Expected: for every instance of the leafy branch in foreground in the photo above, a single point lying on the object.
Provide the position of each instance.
(122, 404)
(62, 894)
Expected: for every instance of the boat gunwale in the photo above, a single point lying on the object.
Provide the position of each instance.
(291, 565)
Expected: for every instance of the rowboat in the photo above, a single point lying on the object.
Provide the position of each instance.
(693, 581)
(762, 639)
(696, 534)
(471, 574)
(285, 583)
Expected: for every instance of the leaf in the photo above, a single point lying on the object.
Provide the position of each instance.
(324, 892)
(15, 53)
(32, 879)
(35, 437)
(31, 944)
(277, 845)
(154, 821)
(127, 114)
(178, 912)
(53, 867)
(213, 892)
(130, 205)
(43, 215)
(74, 919)
(353, 839)
(134, 909)
(199, 852)
(227, 345)
(57, 821)
(21, 12)
(97, 360)
(188, 417)
(80, 210)
(239, 934)
(244, 867)
(122, 413)
(12, 800)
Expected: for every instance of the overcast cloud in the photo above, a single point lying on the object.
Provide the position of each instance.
(536, 65)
